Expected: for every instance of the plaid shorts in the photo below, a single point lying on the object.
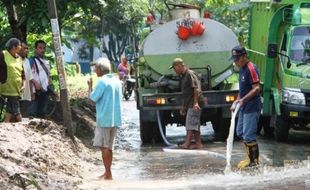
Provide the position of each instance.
(12, 105)
(192, 119)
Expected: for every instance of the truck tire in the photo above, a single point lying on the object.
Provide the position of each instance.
(221, 128)
(164, 117)
(281, 130)
(264, 123)
(215, 126)
(150, 131)
(157, 136)
(146, 132)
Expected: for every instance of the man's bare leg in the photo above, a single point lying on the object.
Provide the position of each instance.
(104, 174)
(8, 117)
(18, 118)
(107, 162)
(188, 140)
(105, 159)
(198, 144)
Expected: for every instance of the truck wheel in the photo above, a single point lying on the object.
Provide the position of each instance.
(150, 131)
(157, 136)
(221, 128)
(215, 126)
(281, 130)
(264, 123)
(146, 131)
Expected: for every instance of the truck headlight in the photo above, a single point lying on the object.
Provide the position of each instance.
(293, 96)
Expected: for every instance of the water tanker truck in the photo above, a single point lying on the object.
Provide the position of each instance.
(279, 43)
(158, 88)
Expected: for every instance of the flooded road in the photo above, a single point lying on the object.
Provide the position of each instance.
(137, 166)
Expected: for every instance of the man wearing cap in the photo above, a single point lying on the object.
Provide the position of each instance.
(192, 102)
(250, 105)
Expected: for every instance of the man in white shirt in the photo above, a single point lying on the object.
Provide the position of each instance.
(27, 93)
(41, 75)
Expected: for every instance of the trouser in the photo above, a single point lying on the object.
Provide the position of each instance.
(37, 107)
(247, 126)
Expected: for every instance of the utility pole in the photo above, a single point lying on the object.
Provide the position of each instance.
(66, 110)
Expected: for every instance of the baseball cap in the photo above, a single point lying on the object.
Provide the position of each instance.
(237, 52)
(176, 61)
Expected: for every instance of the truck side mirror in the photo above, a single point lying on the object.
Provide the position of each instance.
(272, 50)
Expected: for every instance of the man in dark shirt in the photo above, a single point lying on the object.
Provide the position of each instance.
(250, 105)
(192, 103)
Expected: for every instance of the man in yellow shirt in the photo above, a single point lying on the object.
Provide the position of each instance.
(12, 85)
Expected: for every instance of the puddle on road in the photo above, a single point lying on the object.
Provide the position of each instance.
(149, 167)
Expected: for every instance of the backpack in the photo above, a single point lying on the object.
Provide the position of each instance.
(3, 69)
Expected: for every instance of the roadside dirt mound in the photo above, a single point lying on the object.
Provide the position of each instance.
(38, 155)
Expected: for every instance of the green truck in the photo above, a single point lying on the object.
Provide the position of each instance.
(158, 88)
(279, 43)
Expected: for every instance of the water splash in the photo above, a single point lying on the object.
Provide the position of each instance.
(230, 139)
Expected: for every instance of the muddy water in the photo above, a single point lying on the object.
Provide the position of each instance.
(284, 165)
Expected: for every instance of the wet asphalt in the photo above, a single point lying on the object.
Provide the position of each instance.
(155, 166)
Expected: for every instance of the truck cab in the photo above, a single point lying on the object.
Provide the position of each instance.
(281, 49)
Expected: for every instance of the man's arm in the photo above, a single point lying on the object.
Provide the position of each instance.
(23, 84)
(195, 99)
(90, 86)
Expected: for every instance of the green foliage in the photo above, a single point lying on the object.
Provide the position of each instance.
(121, 21)
(232, 13)
(4, 28)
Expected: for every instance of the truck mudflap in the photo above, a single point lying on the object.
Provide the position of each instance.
(295, 111)
(172, 101)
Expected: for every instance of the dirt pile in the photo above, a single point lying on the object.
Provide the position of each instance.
(39, 155)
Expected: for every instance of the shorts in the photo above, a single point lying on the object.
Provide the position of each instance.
(12, 105)
(104, 137)
(192, 120)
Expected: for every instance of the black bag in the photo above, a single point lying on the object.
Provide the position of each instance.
(38, 92)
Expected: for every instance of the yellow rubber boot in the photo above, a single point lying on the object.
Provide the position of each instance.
(253, 155)
(245, 162)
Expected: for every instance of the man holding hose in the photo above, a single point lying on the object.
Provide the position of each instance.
(250, 105)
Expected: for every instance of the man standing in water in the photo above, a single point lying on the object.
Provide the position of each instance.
(250, 105)
(192, 102)
(107, 95)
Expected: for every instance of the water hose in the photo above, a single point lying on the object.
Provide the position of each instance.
(230, 139)
(173, 148)
(162, 132)
(160, 126)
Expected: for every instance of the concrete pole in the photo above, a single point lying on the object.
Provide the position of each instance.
(66, 110)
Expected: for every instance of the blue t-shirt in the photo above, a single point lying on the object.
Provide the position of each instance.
(107, 95)
(248, 76)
